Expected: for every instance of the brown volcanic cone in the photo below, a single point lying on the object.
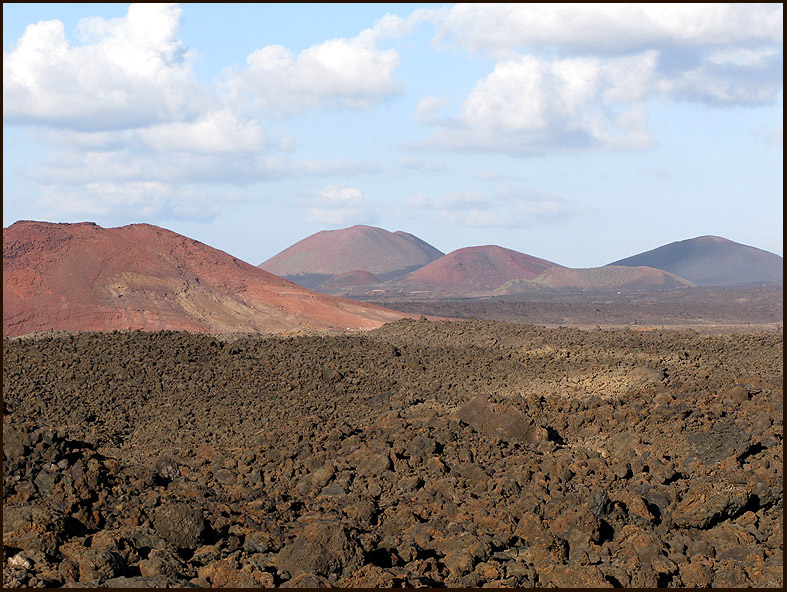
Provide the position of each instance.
(82, 277)
(475, 270)
(599, 279)
(713, 261)
(387, 255)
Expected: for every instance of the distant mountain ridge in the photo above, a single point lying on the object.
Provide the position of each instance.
(82, 277)
(491, 269)
(317, 258)
(494, 271)
(713, 261)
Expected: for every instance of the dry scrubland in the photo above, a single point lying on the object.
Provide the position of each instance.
(420, 454)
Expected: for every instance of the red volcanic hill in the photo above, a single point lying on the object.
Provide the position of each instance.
(713, 261)
(81, 277)
(475, 270)
(385, 254)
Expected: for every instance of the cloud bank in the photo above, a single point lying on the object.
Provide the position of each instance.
(129, 120)
(579, 77)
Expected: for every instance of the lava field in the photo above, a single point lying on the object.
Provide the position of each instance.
(421, 454)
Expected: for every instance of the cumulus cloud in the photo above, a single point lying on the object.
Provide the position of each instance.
(528, 105)
(505, 207)
(213, 132)
(729, 78)
(351, 73)
(427, 108)
(69, 167)
(128, 72)
(571, 77)
(339, 206)
(101, 201)
(606, 28)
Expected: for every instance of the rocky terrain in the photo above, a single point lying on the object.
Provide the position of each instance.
(473, 453)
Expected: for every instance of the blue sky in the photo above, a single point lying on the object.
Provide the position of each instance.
(580, 134)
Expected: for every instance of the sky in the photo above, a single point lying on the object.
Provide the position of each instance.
(580, 134)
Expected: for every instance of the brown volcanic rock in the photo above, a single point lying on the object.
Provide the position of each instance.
(713, 261)
(330, 252)
(366, 476)
(81, 277)
(474, 270)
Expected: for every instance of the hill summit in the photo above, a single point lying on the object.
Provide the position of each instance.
(317, 258)
(82, 277)
(713, 261)
(476, 269)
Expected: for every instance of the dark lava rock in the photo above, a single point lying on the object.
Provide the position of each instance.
(709, 503)
(502, 421)
(415, 455)
(323, 548)
(718, 442)
(180, 524)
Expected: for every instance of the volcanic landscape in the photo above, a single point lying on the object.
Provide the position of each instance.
(175, 417)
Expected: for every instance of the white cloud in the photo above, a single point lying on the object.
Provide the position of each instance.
(529, 106)
(213, 132)
(741, 56)
(351, 73)
(129, 72)
(425, 111)
(73, 167)
(528, 94)
(505, 207)
(129, 201)
(571, 77)
(607, 28)
(340, 197)
(732, 77)
(339, 205)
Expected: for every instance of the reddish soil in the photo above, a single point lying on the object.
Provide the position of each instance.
(82, 277)
(330, 252)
